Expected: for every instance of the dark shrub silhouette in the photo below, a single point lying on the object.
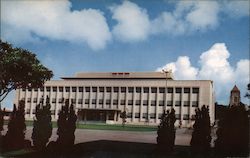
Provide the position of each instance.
(201, 136)
(1, 127)
(166, 132)
(66, 126)
(233, 132)
(14, 138)
(42, 126)
(124, 118)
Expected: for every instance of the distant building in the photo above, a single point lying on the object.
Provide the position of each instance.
(234, 96)
(143, 95)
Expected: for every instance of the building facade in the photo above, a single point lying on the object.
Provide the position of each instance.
(103, 96)
(234, 96)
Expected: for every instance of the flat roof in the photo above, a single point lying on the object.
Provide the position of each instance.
(121, 75)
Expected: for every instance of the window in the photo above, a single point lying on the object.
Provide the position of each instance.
(177, 103)
(129, 115)
(42, 89)
(186, 103)
(137, 115)
(86, 101)
(23, 89)
(100, 101)
(145, 90)
(108, 101)
(194, 103)
(48, 89)
(101, 89)
(29, 89)
(122, 102)
(186, 90)
(130, 89)
(145, 102)
(73, 89)
(192, 117)
(60, 100)
(144, 115)
(80, 89)
(138, 102)
(153, 90)
(153, 102)
(153, 115)
(60, 89)
(115, 102)
(162, 90)
(185, 117)
(159, 115)
(116, 89)
(94, 89)
(35, 89)
(177, 90)
(108, 89)
(93, 101)
(53, 100)
(34, 111)
(27, 111)
(123, 89)
(130, 102)
(54, 89)
(29, 100)
(195, 90)
(87, 89)
(177, 116)
(169, 103)
(79, 101)
(67, 89)
(73, 101)
(138, 89)
(35, 100)
(170, 90)
(52, 112)
(161, 102)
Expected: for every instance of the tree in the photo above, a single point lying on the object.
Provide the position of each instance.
(42, 126)
(166, 131)
(20, 69)
(233, 132)
(201, 136)
(66, 126)
(124, 118)
(14, 138)
(248, 93)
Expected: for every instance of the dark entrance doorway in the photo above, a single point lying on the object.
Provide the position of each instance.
(98, 115)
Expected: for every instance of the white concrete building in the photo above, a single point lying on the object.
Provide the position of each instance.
(143, 95)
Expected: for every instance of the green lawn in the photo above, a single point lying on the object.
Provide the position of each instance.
(103, 126)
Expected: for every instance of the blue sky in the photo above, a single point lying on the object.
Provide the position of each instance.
(195, 39)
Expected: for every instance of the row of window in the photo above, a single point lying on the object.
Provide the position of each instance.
(116, 89)
(153, 116)
(137, 115)
(122, 102)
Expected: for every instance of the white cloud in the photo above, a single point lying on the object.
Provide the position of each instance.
(214, 65)
(237, 8)
(182, 68)
(53, 20)
(132, 22)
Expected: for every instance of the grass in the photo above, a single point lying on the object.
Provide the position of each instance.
(103, 126)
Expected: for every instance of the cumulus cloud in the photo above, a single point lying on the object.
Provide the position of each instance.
(132, 22)
(26, 20)
(214, 65)
(236, 9)
(182, 68)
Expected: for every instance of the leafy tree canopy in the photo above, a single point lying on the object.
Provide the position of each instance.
(19, 68)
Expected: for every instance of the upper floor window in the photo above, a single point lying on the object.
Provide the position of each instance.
(54, 89)
(60, 89)
(162, 90)
(67, 89)
(116, 89)
(94, 89)
(145, 89)
(130, 89)
(170, 90)
(195, 90)
(48, 89)
(177, 90)
(186, 90)
(108, 89)
(73, 89)
(138, 89)
(87, 89)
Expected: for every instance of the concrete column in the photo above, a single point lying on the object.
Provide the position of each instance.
(97, 97)
(111, 98)
(115, 116)
(190, 103)
(31, 103)
(56, 105)
(181, 106)
(104, 98)
(149, 102)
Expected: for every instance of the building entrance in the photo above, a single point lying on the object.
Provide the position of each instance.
(99, 115)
